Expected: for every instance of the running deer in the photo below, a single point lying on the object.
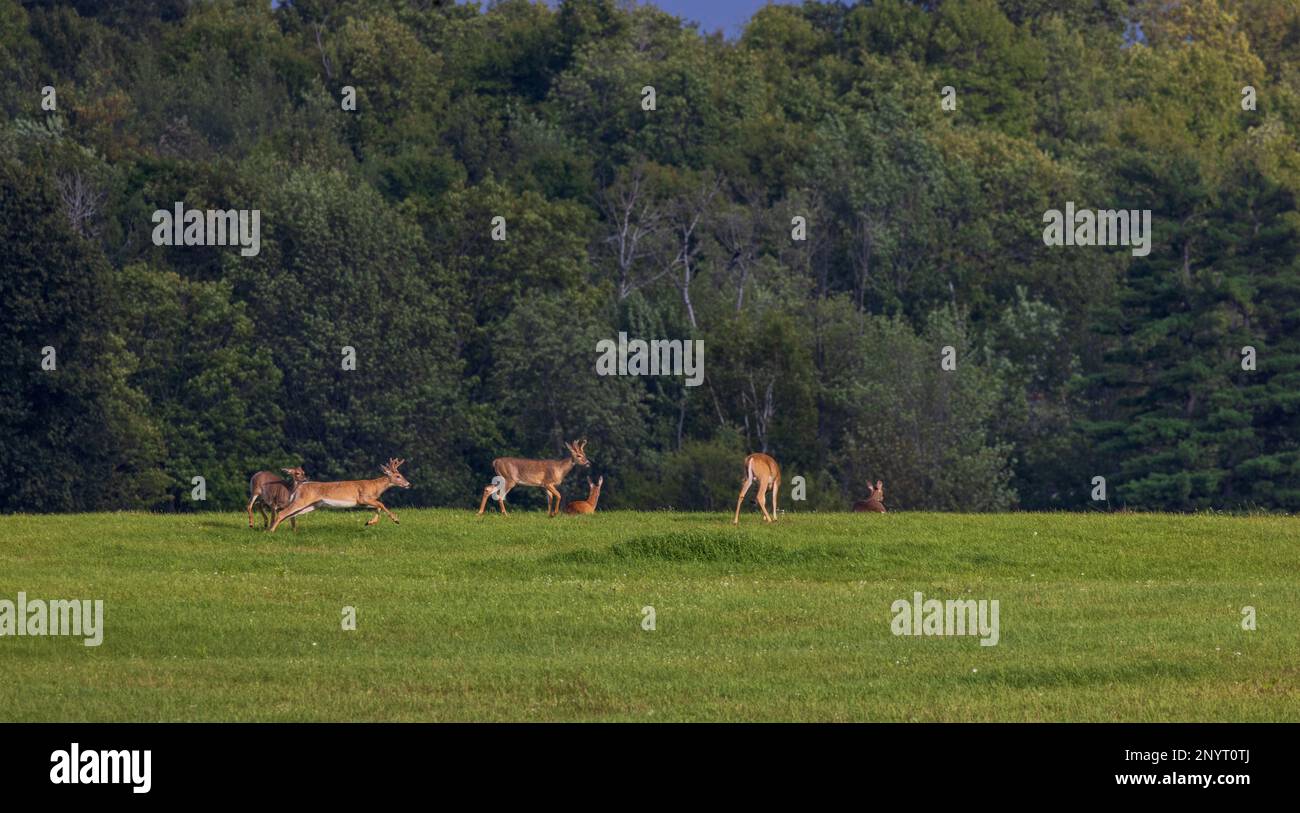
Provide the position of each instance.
(267, 490)
(544, 474)
(763, 468)
(587, 506)
(874, 502)
(345, 494)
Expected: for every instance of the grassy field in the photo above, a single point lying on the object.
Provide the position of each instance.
(1102, 617)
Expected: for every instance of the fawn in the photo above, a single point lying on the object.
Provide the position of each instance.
(874, 501)
(587, 506)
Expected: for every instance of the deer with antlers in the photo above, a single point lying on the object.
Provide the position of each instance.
(543, 474)
(269, 491)
(587, 506)
(345, 494)
(765, 470)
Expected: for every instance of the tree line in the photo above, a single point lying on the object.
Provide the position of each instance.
(922, 225)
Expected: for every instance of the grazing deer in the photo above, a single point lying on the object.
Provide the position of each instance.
(269, 491)
(765, 469)
(345, 494)
(587, 506)
(545, 474)
(874, 502)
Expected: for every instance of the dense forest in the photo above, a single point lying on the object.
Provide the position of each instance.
(652, 179)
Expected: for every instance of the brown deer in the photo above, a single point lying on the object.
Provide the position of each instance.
(763, 468)
(874, 502)
(545, 474)
(269, 491)
(345, 494)
(587, 506)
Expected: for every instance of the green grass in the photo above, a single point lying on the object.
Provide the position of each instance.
(1103, 617)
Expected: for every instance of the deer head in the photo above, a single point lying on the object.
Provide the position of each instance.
(296, 474)
(577, 451)
(394, 476)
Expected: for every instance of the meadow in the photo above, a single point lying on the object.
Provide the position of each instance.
(521, 618)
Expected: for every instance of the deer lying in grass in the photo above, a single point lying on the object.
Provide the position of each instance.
(587, 506)
(874, 501)
(345, 494)
(544, 474)
(269, 491)
(763, 468)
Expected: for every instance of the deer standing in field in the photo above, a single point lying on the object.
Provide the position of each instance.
(345, 494)
(763, 468)
(267, 490)
(544, 474)
(587, 506)
(874, 501)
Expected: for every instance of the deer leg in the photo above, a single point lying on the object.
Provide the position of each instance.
(250, 510)
(487, 492)
(274, 524)
(744, 488)
(763, 485)
(290, 511)
(776, 487)
(551, 490)
(384, 508)
(375, 504)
